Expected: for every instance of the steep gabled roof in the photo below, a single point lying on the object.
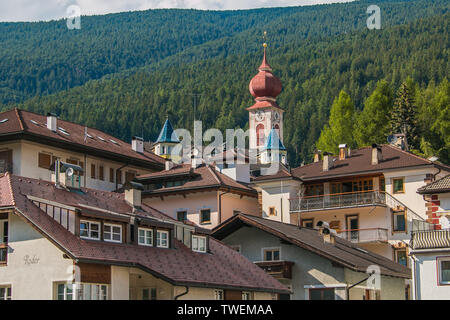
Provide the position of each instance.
(33, 126)
(342, 252)
(360, 162)
(167, 134)
(439, 186)
(221, 268)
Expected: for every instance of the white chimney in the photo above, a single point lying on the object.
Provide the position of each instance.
(317, 156)
(327, 161)
(168, 165)
(133, 192)
(51, 122)
(137, 144)
(376, 154)
(342, 151)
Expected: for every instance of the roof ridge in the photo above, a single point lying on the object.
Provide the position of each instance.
(8, 177)
(408, 153)
(19, 118)
(214, 174)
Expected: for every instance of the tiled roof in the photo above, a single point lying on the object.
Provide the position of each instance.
(341, 252)
(167, 134)
(204, 176)
(439, 186)
(222, 268)
(360, 161)
(72, 134)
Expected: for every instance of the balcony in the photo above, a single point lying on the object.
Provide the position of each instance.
(277, 269)
(337, 201)
(430, 239)
(364, 235)
(3, 253)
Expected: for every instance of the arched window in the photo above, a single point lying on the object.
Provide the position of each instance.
(260, 134)
(277, 128)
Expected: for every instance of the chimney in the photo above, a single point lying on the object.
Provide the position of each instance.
(51, 122)
(376, 154)
(429, 178)
(326, 232)
(349, 152)
(137, 144)
(316, 155)
(342, 151)
(133, 192)
(169, 165)
(327, 162)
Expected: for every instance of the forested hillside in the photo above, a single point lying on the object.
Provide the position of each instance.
(317, 52)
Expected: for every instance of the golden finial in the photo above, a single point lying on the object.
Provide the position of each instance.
(265, 39)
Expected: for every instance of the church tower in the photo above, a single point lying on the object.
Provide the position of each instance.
(265, 114)
(166, 141)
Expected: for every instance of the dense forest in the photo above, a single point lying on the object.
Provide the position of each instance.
(161, 62)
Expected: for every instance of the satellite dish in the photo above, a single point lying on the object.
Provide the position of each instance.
(69, 172)
(392, 139)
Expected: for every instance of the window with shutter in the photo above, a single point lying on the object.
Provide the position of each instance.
(44, 160)
(101, 175)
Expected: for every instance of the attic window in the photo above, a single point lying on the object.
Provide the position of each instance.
(89, 136)
(115, 142)
(62, 129)
(101, 138)
(34, 122)
(3, 121)
(64, 132)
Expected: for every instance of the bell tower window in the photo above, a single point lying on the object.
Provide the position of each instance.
(260, 134)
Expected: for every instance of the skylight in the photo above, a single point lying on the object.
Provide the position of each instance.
(4, 120)
(87, 134)
(34, 122)
(115, 142)
(64, 132)
(101, 138)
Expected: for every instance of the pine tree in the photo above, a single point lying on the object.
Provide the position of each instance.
(404, 114)
(372, 124)
(340, 126)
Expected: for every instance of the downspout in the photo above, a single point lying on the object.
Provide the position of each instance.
(182, 294)
(85, 169)
(281, 201)
(414, 276)
(354, 285)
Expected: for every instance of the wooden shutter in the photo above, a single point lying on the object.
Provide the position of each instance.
(111, 175)
(101, 175)
(93, 171)
(6, 161)
(233, 295)
(44, 160)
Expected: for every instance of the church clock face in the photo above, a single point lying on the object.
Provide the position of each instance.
(259, 115)
(276, 116)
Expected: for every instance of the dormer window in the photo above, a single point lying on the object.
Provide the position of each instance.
(90, 230)
(112, 232)
(199, 244)
(145, 237)
(162, 239)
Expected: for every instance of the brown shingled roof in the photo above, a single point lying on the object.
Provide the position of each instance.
(221, 268)
(439, 186)
(204, 176)
(29, 125)
(342, 252)
(360, 162)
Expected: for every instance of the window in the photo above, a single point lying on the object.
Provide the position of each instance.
(90, 230)
(119, 176)
(198, 244)
(3, 231)
(246, 295)
(401, 256)
(182, 216)
(88, 291)
(93, 176)
(382, 184)
(112, 233)
(271, 254)
(260, 134)
(111, 175)
(205, 216)
(5, 293)
(101, 173)
(218, 294)
(45, 160)
(444, 271)
(272, 211)
(314, 190)
(162, 239)
(145, 237)
(398, 185)
(149, 294)
(308, 223)
(65, 291)
(399, 223)
(321, 294)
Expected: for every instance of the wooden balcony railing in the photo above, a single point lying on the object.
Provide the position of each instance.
(364, 235)
(277, 269)
(337, 200)
(3, 253)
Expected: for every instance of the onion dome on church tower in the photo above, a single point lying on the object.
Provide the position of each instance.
(265, 86)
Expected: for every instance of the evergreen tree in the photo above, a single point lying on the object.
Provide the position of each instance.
(340, 126)
(372, 124)
(404, 116)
